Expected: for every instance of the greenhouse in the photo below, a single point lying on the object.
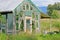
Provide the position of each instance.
(19, 15)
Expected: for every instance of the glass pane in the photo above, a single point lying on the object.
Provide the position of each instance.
(3, 30)
(17, 17)
(10, 21)
(28, 24)
(27, 6)
(21, 13)
(36, 17)
(23, 7)
(22, 26)
(16, 26)
(37, 24)
(28, 21)
(28, 13)
(31, 8)
(33, 15)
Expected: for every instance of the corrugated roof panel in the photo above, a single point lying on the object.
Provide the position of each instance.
(8, 5)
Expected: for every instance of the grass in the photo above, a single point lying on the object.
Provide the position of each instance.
(25, 36)
(47, 23)
(3, 36)
(50, 37)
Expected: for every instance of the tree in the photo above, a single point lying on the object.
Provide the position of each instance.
(50, 8)
(55, 14)
(56, 6)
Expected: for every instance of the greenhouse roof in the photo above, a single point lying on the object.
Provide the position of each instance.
(8, 5)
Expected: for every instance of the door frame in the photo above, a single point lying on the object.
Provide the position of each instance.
(28, 18)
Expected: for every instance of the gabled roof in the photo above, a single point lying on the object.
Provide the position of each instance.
(34, 5)
(9, 5)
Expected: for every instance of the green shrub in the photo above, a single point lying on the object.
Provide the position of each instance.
(3, 36)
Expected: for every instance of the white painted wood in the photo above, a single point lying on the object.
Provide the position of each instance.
(31, 25)
(20, 20)
(39, 22)
(35, 20)
(14, 23)
(19, 23)
(25, 7)
(29, 7)
(24, 24)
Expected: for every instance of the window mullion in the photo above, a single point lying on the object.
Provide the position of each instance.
(29, 7)
(25, 7)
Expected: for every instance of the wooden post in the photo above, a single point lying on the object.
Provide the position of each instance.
(24, 24)
(29, 7)
(6, 24)
(14, 23)
(19, 22)
(35, 21)
(39, 23)
(25, 7)
(31, 25)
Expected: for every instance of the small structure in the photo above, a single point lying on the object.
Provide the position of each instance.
(16, 11)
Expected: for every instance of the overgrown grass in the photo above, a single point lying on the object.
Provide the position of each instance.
(22, 36)
(49, 37)
(25, 36)
(3, 36)
(46, 24)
